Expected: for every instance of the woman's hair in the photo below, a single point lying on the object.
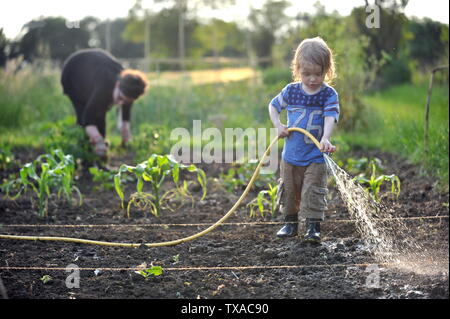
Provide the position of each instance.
(132, 83)
(315, 51)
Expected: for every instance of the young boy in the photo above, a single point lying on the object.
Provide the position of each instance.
(313, 105)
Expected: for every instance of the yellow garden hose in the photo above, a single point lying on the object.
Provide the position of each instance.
(181, 240)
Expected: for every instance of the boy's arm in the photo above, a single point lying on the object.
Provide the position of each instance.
(325, 143)
(275, 118)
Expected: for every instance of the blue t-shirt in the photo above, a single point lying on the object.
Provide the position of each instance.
(307, 112)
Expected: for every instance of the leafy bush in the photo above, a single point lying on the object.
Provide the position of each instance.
(277, 76)
(69, 137)
(151, 139)
(394, 72)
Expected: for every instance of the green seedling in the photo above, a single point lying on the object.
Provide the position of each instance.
(239, 175)
(154, 171)
(46, 279)
(362, 165)
(49, 173)
(6, 157)
(104, 178)
(176, 258)
(373, 183)
(265, 201)
(152, 271)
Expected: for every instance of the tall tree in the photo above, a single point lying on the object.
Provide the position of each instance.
(428, 46)
(3, 43)
(265, 23)
(52, 37)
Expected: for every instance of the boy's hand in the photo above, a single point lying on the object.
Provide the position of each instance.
(326, 146)
(282, 131)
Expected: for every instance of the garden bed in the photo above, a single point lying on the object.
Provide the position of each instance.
(241, 259)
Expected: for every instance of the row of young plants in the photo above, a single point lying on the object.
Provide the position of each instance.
(52, 174)
(368, 172)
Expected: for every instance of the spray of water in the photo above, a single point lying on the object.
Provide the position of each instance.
(388, 237)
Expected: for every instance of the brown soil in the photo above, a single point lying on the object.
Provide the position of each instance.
(338, 268)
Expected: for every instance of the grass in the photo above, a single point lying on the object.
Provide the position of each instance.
(395, 123)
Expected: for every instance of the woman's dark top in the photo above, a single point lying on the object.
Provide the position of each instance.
(88, 78)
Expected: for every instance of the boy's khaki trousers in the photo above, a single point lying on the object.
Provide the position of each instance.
(304, 191)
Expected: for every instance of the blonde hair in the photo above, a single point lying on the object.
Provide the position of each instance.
(315, 51)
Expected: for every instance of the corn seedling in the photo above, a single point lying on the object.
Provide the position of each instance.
(148, 272)
(265, 201)
(239, 175)
(373, 183)
(105, 178)
(154, 171)
(47, 174)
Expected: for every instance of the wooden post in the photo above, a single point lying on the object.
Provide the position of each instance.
(427, 108)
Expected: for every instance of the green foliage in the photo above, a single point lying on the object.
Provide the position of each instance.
(265, 201)
(42, 41)
(29, 98)
(277, 76)
(151, 139)
(69, 137)
(265, 23)
(374, 183)
(395, 124)
(395, 71)
(48, 174)
(239, 175)
(105, 178)
(362, 165)
(154, 171)
(149, 272)
(46, 279)
(219, 38)
(428, 47)
(6, 157)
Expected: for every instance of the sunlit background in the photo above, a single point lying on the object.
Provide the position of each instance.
(19, 12)
(221, 61)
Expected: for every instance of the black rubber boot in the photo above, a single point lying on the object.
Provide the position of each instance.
(290, 229)
(312, 231)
